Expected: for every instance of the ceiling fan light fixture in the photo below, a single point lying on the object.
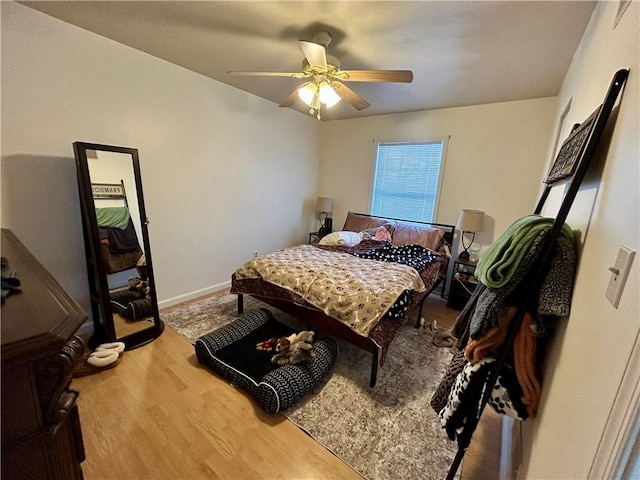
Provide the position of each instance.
(328, 95)
(318, 93)
(307, 92)
(324, 79)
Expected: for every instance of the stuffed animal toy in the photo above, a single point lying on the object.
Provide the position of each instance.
(305, 336)
(141, 267)
(299, 352)
(139, 285)
(268, 345)
(282, 357)
(295, 348)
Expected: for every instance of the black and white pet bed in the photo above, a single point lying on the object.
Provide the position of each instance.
(131, 304)
(231, 352)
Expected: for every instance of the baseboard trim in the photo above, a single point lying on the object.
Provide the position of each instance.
(170, 302)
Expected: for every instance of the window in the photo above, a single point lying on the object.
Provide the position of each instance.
(406, 180)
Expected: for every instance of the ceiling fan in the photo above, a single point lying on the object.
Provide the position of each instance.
(325, 78)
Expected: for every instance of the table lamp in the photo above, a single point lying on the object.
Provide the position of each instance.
(469, 221)
(324, 207)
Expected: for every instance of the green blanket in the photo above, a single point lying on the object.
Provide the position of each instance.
(113, 217)
(497, 265)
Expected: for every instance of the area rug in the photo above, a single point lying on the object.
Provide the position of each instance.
(385, 432)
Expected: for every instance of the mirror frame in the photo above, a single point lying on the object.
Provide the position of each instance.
(104, 331)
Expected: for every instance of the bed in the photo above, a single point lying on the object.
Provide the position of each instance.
(360, 284)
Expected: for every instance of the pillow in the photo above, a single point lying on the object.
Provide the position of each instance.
(370, 233)
(346, 239)
(383, 235)
(357, 223)
(428, 237)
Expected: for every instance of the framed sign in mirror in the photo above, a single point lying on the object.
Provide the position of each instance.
(124, 303)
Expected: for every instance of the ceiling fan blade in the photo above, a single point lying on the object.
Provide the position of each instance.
(292, 98)
(265, 74)
(314, 53)
(349, 96)
(403, 76)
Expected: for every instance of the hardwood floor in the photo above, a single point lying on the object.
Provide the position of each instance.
(126, 327)
(160, 415)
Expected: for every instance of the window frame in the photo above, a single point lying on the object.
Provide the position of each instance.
(443, 159)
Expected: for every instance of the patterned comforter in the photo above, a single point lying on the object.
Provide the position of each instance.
(356, 291)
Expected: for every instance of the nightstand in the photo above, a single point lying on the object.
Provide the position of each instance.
(314, 237)
(463, 283)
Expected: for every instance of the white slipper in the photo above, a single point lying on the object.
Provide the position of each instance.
(111, 347)
(102, 358)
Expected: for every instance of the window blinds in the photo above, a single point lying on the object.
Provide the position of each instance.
(406, 180)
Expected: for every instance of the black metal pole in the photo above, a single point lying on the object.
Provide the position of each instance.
(456, 464)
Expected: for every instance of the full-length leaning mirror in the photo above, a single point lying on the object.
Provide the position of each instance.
(123, 295)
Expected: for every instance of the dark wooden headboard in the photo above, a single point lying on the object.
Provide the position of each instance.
(448, 230)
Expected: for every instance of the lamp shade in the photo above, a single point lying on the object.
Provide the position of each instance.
(470, 221)
(328, 95)
(307, 93)
(324, 205)
(318, 92)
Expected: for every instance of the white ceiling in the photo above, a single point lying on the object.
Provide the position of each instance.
(461, 53)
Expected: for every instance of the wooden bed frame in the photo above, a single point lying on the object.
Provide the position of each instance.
(322, 322)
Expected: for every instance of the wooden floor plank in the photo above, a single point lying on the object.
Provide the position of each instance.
(159, 414)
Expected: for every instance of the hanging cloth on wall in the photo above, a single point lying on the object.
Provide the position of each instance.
(483, 325)
(523, 356)
(113, 217)
(523, 361)
(123, 240)
(554, 298)
(116, 229)
(460, 415)
(501, 260)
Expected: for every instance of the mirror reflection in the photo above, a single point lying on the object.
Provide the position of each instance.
(120, 272)
(115, 198)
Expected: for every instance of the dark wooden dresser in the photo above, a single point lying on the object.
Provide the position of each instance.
(41, 435)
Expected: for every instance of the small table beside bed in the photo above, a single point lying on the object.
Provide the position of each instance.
(359, 284)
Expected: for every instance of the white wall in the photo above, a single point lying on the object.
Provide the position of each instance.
(224, 172)
(591, 349)
(495, 158)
